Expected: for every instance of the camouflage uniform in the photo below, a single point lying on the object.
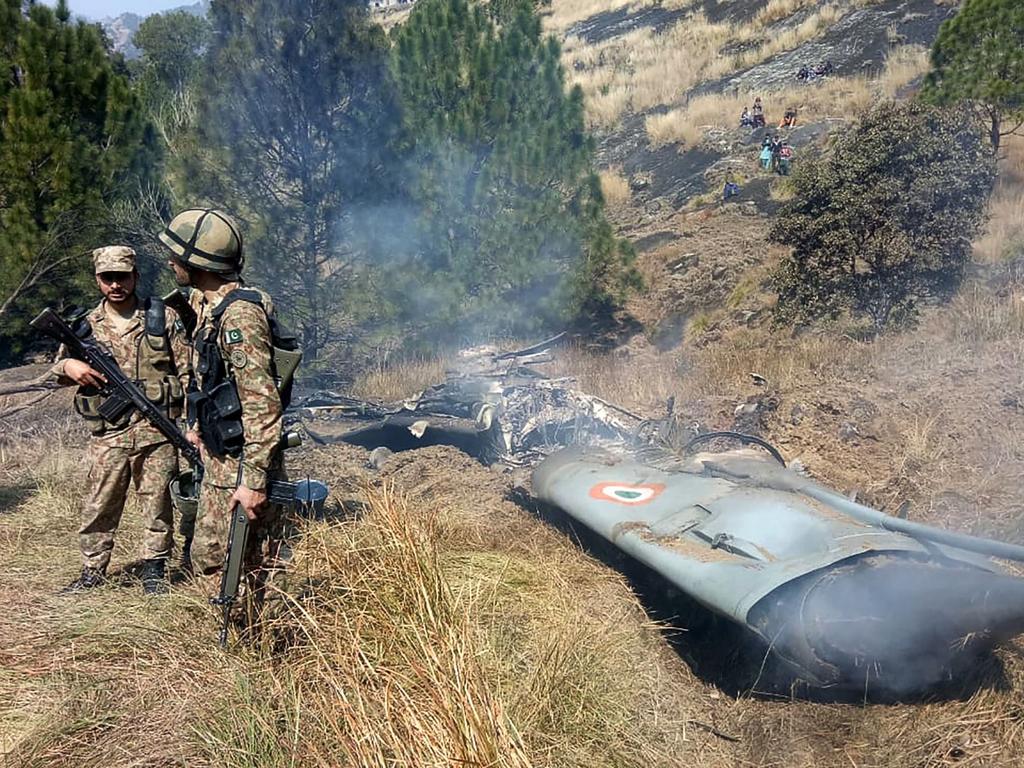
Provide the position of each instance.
(132, 452)
(245, 345)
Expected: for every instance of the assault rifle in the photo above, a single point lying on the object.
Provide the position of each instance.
(238, 538)
(121, 394)
(121, 397)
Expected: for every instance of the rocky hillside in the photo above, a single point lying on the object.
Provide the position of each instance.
(666, 80)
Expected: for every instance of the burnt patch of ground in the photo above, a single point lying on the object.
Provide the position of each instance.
(857, 44)
(738, 11)
(758, 192)
(661, 179)
(609, 24)
(655, 240)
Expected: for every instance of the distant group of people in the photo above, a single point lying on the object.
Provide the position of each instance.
(753, 118)
(776, 155)
(806, 74)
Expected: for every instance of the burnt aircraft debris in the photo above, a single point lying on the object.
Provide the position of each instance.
(843, 594)
(496, 407)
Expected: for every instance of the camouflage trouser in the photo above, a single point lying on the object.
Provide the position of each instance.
(112, 468)
(266, 546)
(266, 554)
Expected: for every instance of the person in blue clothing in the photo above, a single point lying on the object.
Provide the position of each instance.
(766, 155)
(731, 189)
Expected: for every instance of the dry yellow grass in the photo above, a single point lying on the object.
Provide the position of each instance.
(391, 17)
(644, 68)
(614, 187)
(394, 380)
(777, 10)
(785, 40)
(562, 14)
(903, 65)
(834, 97)
(977, 316)
(1004, 232)
(559, 15)
(404, 638)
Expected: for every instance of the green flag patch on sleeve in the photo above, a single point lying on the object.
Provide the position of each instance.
(233, 336)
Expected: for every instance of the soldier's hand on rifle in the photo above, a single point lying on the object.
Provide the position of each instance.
(83, 374)
(252, 501)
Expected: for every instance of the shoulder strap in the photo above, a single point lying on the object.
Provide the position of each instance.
(239, 294)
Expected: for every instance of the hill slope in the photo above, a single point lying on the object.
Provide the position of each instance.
(450, 623)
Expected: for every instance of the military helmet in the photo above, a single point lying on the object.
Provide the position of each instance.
(185, 495)
(207, 239)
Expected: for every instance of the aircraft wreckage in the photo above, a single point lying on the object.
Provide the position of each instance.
(842, 593)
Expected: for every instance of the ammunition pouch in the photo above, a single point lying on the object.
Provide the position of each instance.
(88, 403)
(166, 392)
(218, 414)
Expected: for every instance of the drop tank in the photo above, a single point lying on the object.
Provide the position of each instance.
(833, 587)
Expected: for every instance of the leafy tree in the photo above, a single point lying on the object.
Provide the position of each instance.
(978, 58)
(296, 107)
(74, 147)
(511, 235)
(172, 46)
(886, 219)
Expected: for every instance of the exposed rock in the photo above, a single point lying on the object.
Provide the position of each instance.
(609, 24)
(796, 414)
(848, 432)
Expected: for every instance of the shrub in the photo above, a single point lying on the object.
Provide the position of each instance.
(885, 219)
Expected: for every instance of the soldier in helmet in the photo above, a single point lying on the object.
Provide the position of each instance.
(148, 344)
(235, 410)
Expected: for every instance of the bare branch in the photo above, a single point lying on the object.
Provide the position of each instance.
(15, 409)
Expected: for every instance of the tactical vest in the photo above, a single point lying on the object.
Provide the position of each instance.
(154, 372)
(215, 405)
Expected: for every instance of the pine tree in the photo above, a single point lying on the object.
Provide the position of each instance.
(296, 107)
(512, 236)
(10, 23)
(73, 146)
(978, 59)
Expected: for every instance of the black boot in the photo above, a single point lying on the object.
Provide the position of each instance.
(186, 558)
(152, 574)
(89, 578)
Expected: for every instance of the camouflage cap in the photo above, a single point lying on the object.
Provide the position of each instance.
(113, 258)
(206, 239)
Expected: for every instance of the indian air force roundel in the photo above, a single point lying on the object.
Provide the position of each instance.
(627, 493)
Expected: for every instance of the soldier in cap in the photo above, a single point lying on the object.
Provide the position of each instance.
(148, 344)
(234, 408)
